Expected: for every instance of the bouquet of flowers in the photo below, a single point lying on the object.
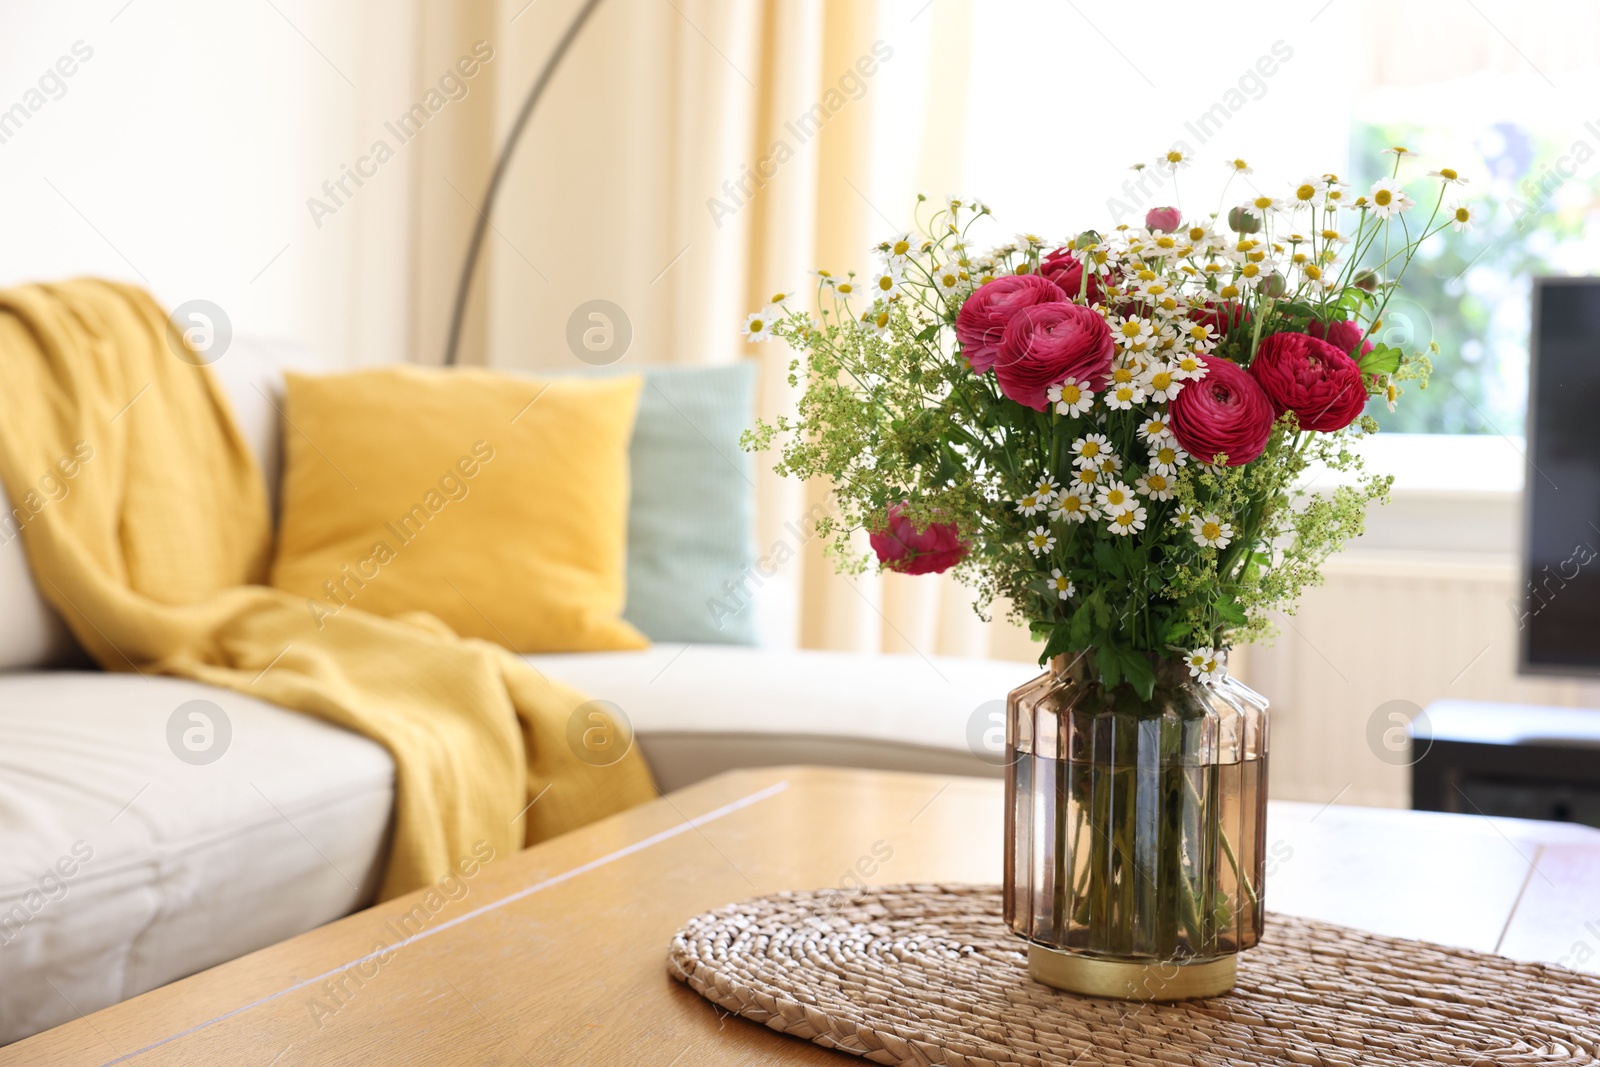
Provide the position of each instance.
(1108, 434)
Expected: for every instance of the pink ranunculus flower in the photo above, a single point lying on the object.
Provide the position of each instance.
(1311, 378)
(981, 322)
(1343, 335)
(1065, 269)
(902, 547)
(1225, 412)
(1165, 219)
(1049, 343)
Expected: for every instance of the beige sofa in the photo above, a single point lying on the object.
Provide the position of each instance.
(127, 860)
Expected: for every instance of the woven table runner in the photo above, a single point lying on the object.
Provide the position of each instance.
(928, 974)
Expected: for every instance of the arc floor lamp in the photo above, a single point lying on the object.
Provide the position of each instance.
(501, 164)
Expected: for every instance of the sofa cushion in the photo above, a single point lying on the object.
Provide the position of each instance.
(698, 710)
(129, 860)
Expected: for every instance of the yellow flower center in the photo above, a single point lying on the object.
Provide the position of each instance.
(778, 298)
(1250, 270)
(1305, 192)
(1071, 503)
(1091, 449)
(885, 283)
(1382, 197)
(1125, 519)
(846, 288)
(901, 247)
(1448, 173)
(1463, 215)
(1087, 476)
(1210, 531)
(1156, 483)
(1115, 498)
(1313, 271)
(1240, 164)
(1166, 455)
(1174, 157)
(1263, 202)
(1161, 379)
(1071, 394)
(757, 325)
(1122, 375)
(1124, 392)
(1197, 233)
(1330, 235)
(882, 319)
(1229, 291)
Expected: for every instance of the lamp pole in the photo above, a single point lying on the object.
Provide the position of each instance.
(501, 165)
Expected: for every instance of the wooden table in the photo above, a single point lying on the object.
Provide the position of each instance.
(556, 955)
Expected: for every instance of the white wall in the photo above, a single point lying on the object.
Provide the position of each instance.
(182, 151)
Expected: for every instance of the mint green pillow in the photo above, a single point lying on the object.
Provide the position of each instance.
(691, 515)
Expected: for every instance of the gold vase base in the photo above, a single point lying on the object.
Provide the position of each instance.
(1116, 980)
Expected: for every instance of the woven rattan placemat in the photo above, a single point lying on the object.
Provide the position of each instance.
(928, 974)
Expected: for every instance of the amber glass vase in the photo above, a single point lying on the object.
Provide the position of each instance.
(1135, 830)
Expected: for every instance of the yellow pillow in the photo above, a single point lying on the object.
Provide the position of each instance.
(497, 503)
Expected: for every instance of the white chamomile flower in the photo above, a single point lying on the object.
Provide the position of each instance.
(1173, 161)
(1166, 457)
(1238, 166)
(1075, 503)
(1161, 381)
(1388, 198)
(1031, 242)
(1155, 486)
(1041, 540)
(1124, 396)
(1110, 465)
(899, 248)
(1462, 216)
(1204, 664)
(1128, 521)
(1183, 516)
(1134, 332)
(1448, 175)
(885, 282)
(1155, 430)
(949, 278)
(1061, 583)
(876, 320)
(1031, 504)
(1085, 479)
(1090, 449)
(824, 276)
(1046, 488)
(1210, 531)
(1070, 398)
(1115, 497)
(758, 326)
(1306, 192)
(1186, 367)
(1201, 340)
(1397, 150)
(1391, 392)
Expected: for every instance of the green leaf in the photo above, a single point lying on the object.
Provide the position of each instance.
(1384, 359)
(1230, 611)
(1060, 641)
(929, 332)
(1136, 667)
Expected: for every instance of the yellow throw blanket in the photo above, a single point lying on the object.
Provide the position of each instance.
(155, 554)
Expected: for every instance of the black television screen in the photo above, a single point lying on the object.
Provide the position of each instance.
(1559, 610)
